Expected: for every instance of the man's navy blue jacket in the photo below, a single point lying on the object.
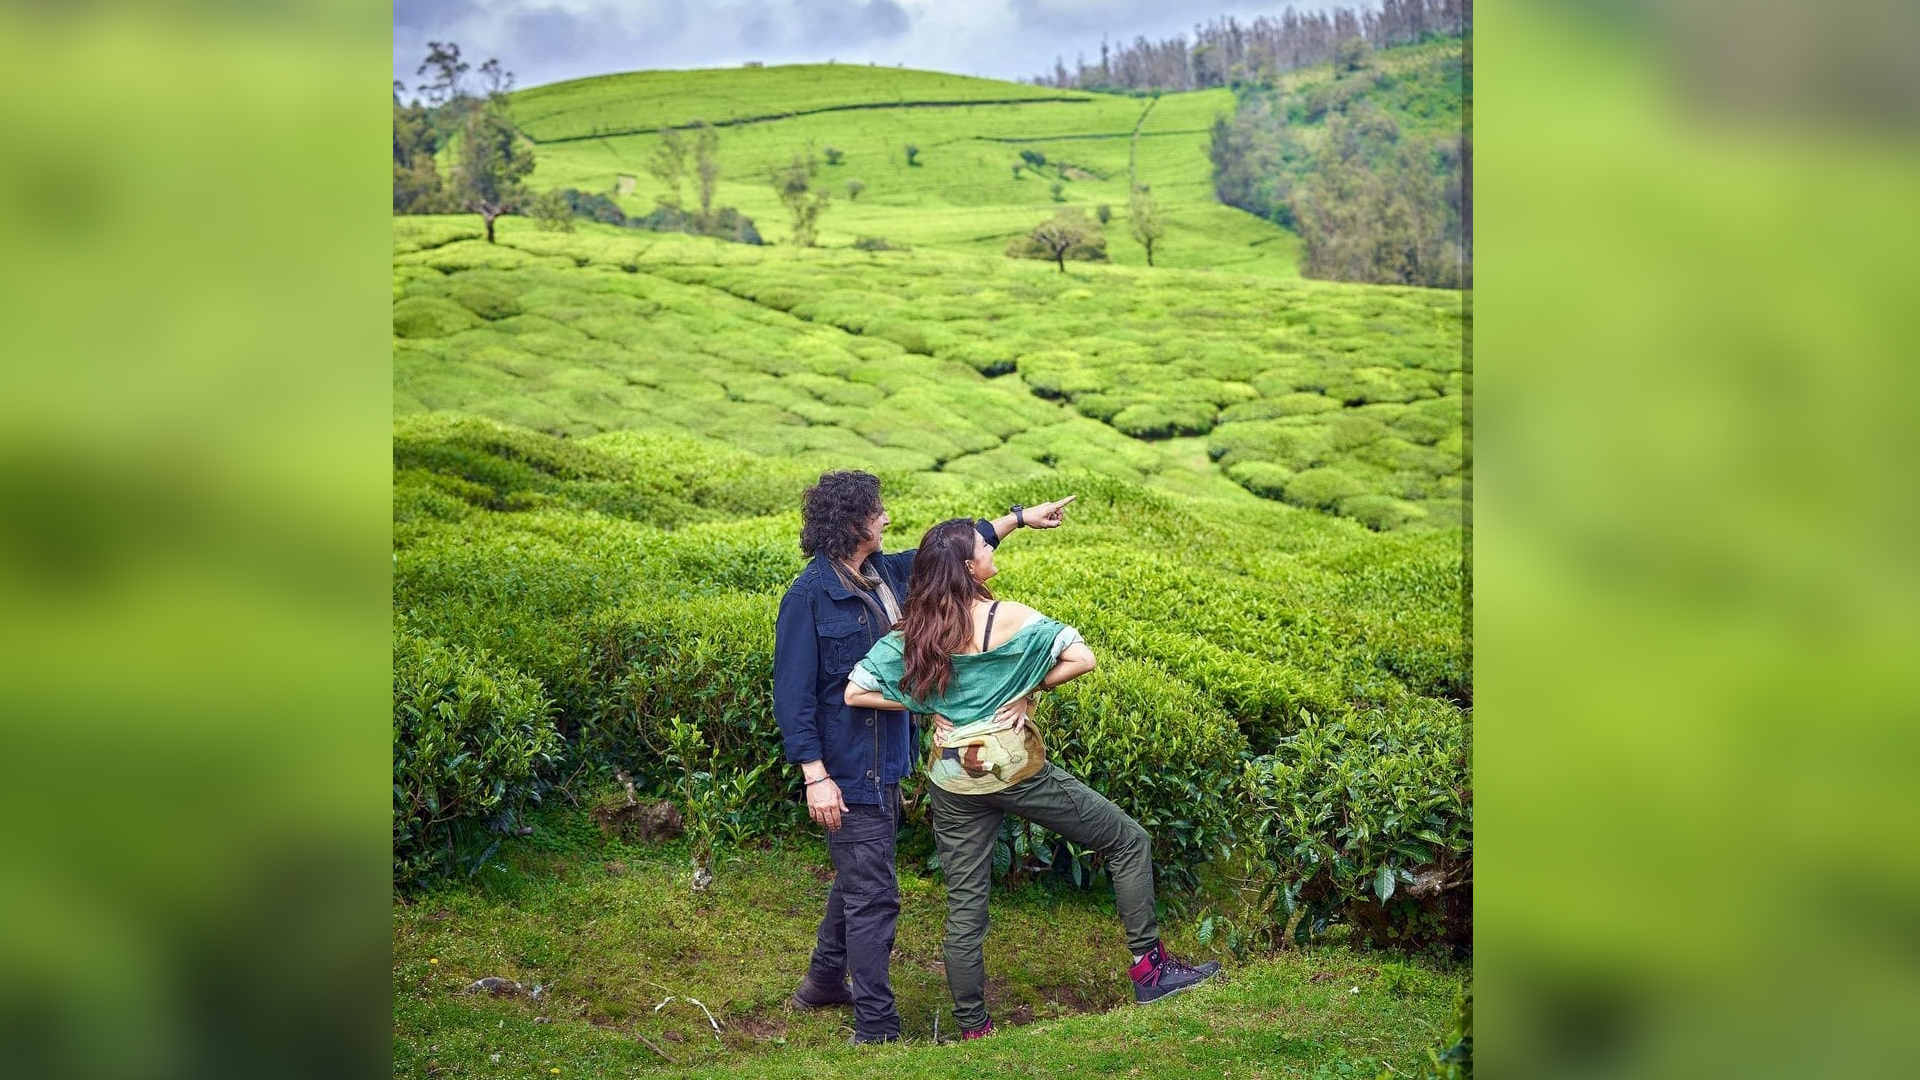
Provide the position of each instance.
(823, 630)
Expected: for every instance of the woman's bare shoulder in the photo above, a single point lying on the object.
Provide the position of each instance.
(1016, 614)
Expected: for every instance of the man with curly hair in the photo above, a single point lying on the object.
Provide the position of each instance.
(852, 760)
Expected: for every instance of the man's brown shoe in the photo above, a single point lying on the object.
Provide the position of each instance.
(820, 994)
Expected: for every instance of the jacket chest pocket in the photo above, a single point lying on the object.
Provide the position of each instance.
(843, 642)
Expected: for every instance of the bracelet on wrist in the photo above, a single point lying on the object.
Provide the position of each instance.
(823, 779)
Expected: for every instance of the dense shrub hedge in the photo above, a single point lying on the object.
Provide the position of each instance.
(632, 579)
(1264, 478)
(1322, 489)
(471, 738)
(430, 317)
(1367, 818)
(707, 660)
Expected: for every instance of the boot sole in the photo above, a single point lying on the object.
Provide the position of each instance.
(1179, 990)
(806, 1007)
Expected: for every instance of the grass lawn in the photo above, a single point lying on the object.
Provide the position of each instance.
(610, 930)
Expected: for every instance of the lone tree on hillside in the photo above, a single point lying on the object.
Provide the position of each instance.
(706, 164)
(913, 152)
(1145, 221)
(453, 117)
(854, 188)
(494, 157)
(1067, 234)
(804, 201)
(444, 64)
(668, 164)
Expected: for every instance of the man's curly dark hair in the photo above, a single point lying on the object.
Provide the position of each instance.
(834, 513)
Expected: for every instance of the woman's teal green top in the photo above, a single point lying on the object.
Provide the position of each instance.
(982, 681)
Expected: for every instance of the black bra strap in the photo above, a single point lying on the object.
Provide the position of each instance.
(988, 636)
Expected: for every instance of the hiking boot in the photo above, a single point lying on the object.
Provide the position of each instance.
(980, 1032)
(820, 993)
(1160, 973)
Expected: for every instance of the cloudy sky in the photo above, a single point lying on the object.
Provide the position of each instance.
(544, 41)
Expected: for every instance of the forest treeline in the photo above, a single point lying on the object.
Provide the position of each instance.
(1371, 168)
(1227, 52)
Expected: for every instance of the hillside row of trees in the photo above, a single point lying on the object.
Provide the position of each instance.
(1227, 52)
(491, 158)
(1377, 192)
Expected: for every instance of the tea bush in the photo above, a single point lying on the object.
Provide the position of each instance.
(1160, 419)
(1263, 478)
(470, 739)
(430, 317)
(1381, 512)
(1367, 818)
(707, 660)
(1322, 489)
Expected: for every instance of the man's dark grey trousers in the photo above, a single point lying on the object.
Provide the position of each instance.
(863, 907)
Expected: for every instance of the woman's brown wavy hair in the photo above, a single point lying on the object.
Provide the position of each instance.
(936, 622)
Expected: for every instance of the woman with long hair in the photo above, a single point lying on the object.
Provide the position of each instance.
(961, 654)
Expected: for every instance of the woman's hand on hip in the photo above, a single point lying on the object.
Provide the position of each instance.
(1015, 712)
(824, 803)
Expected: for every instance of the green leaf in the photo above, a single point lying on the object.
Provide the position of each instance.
(1383, 883)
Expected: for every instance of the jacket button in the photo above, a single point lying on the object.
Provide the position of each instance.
(863, 618)
(869, 721)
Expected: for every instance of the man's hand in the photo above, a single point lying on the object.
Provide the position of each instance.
(1016, 712)
(824, 803)
(1048, 515)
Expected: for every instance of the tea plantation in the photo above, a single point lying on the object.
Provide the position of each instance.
(1334, 397)
(962, 191)
(599, 444)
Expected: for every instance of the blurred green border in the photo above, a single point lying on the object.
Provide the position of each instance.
(1693, 566)
(195, 566)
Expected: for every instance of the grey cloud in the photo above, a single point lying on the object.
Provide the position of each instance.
(1080, 20)
(552, 33)
(544, 41)
(432, 18)
(758, 32)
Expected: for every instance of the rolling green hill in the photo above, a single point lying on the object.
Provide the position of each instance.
(962, 196)
(1336, 397)
(647, 100)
